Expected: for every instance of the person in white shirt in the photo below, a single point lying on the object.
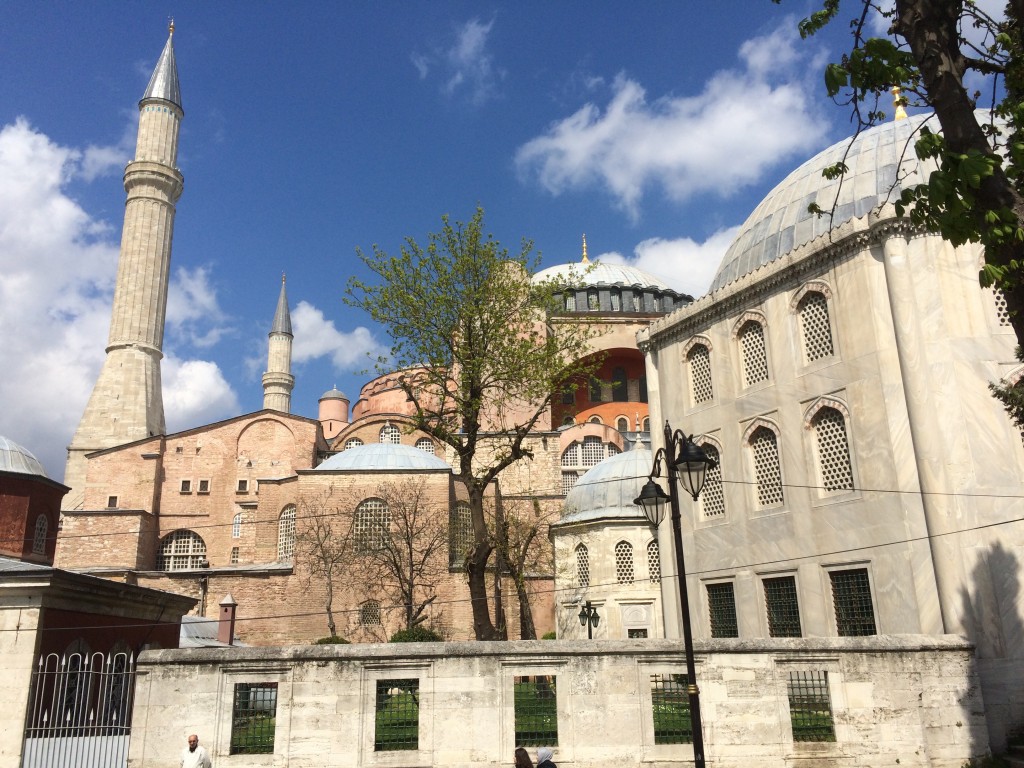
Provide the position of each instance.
(194, 756)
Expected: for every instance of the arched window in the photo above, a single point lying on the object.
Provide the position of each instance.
(814, 326)
(595, 419)
(624, 562)
(620, 385)
(286, 534)
(582, 566)
(593, 300)
(833, 451)
(39, 536)
(426, 445)
(753, 352)
(389, 433)
(699, 362)
(372, 526)
(767, 468)
(712, 498)
(647, 424)
(181, 550)
(622, 424)
(369, 613)
(616, 299)
(236, 526)
(352, 442)
(460, 534)
(654, 561)
(570, 301)
(571, 456)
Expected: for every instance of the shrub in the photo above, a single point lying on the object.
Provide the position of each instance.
(416, 635)
(332, 640)
(549, 636)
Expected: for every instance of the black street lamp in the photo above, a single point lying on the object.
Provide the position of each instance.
(686, 466)
(589, 619)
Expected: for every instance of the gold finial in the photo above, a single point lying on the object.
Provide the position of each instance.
(170, 25)
(585, 259)
(897, 102)
(282, 278)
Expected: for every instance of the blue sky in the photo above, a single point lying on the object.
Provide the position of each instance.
(314, 128)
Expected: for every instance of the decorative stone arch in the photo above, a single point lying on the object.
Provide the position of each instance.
(1014, 377)
(829, 402)
(751, 315)
(756, 424)
(699, 340)
(811, 286)
(710, 440)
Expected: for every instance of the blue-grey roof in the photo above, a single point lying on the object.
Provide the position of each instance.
(879, 160)
(598, 273)
(164, 82)
(14, 458)
(333, 394)
(382, 456)
(282, 318)
(609, 487)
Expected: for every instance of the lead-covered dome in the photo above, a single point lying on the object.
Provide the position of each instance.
(382, 456)
(880, 161)
(598, 274)
(609, 487)
(14, 458)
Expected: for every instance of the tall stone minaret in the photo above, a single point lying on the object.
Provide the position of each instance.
(278, 380)
(127, 402)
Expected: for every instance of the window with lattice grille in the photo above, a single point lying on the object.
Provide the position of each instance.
(670, 705)
(753, 353)
(851, 594)
(712, 498)
(570, 302)
(767, 468)
(783, 609)
(582, 566)
(372, 525)
(815, 327)
(397, 715)
(389, 433)
(810, 706)
(622, 424)
(426, 445)
(624, 562)
(236, 526)
(571, 456)
(1002, 311)
(39, 535)
(699, 360)
(593, 451)
(833, 451)
(722, 610)
(352, 442)
(286, 534)
(613, 449)
(654, 562)
(616, 299)
(181, 550)
(234, 556)
(369, 613)
(535, 708)
(593, 300)
(253, 719)
(568, 481)
(460, 534)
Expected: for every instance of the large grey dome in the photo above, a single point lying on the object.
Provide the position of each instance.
(876, 159)
(609, 487)
(597, 273)
(382, 456)
(14, 458)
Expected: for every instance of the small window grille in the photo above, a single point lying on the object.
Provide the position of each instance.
(243, 486)
(1002, 311)
(613, 449)
(755, 358)
(352, 442)
(670, 703)
(112, 502)
(722, 610)
(624, 562)
(712, 498)
(460, 534)
(767, 470)
(570, 302)
(234, 556)
(637, 633)
(397, 720)
(783, 610)
(372, 526)
(39, 536)
(593, 451)
(571, 456)
(593, 301)
(204, 486)
(286, 534)
(186, 486)
(181, 550)
(253, 719)
(569, 481)
(582, 566)
(814, 323)
(833, 451)
(851, 594)
(654, 561)
(369, 613)
(536, 711)
(426, 445)
(391, 434)
(699, 360)
(810, 707)
(236, 526)
(616, 299)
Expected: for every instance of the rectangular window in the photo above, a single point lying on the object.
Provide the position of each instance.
(782, 606)
(243, 486)
(670, 705)
(186, 486)
(851, 593)
(810, 707)
(253, 719)
(234, 556)
(536, 711)
(204, 486)
(722, 610)
(397, 715)
(112, 502)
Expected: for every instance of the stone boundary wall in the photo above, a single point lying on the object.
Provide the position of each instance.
(908, 700)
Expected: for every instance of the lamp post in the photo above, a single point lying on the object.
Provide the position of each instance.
(589, 619)
(686, 465)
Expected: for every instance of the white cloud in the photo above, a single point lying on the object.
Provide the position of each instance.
(193, 314)
(686, 265)
(466, 65)
(195, 392)
(745, 121)
(316, 336)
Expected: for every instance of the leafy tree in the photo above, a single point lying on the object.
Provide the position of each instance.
(521, 522)
(481, 358)
(323, 545)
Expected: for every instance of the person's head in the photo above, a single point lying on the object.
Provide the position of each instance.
(544, 753)
(523, 758)
(193, 742)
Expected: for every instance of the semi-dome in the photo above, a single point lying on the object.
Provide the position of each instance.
(609, 487)
(597, 274)
(14, 458)
(879, 160)
(382, 456)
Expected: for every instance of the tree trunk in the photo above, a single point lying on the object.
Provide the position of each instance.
(331, 626)
(477, 567)
(527, 630)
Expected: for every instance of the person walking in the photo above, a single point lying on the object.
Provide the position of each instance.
(523, 758)
(195, 756)
(544, 755)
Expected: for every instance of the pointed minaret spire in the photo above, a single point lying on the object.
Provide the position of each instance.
(278, 381)
(127, 400)
(585, 260)
(897, 104)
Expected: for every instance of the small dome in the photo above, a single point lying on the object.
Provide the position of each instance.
(609, 487)
(333, 394)
(14, 458)
(597, 273)
(382, 456)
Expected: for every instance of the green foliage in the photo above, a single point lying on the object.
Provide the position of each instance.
(988, 761)
(1012, 396)
(331, 640)
(417, 634)
(549, 636)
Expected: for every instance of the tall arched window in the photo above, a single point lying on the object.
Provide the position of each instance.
(622, 424)
(654, 561)
(181, 550)
(286, 534)
(593, 300)
(372, 526)
(753, 352)
(833, 451)
(582, 566)
(236, 526)
(814, 326)
(39, 536)
(570, 301)
(624, 562)
(767, 468)
(712, 498)
(699, 362)
(389, 433)
(460, 534)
